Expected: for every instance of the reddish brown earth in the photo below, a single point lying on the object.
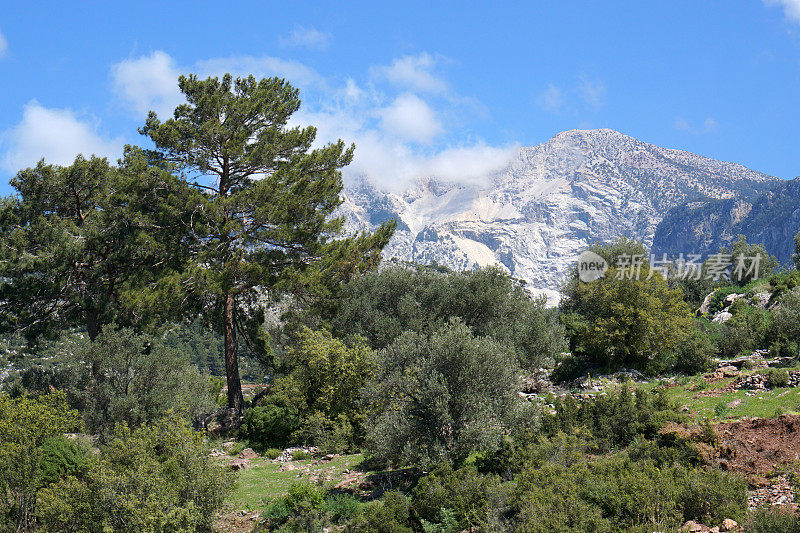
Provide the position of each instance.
(759, 447)
(766, 451)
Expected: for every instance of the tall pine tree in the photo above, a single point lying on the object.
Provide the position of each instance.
(267, 219)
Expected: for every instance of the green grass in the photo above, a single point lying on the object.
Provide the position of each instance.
(264, 481)
(764, 404)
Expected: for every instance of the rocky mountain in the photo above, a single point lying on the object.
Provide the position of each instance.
(771, 219)
(534, 217)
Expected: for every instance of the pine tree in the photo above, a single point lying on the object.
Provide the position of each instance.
(267, 221)
(82, 241)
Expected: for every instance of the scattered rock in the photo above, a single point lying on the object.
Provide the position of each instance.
(703, 310)
(288, 454)
(729, 299)
(761, 300)
(693, 527)
(248, 453)
(238, 464)
(729, 525)
(721, 317)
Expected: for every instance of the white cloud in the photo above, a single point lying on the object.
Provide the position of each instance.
(148, 83)
(295, 72)
(57, 135)
(469, 163)
(3, 45)
(593, 92)
(414, 72)
(151, 81)
(399, 136)
(307, 37)
(709, 125)
(551, 99)
(411, 119)
(791, 8)
(392, 164)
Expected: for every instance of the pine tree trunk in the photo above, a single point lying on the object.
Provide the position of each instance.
(92, 324)
(235, 398)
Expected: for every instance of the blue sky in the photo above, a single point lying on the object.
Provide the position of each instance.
(447, 88)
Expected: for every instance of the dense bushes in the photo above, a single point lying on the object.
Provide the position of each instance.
(608, 494)
(464, 496)
(273, 423)
(31, 453)
(618, 494)
(156, 478)
(613, 420)
(306, 507)
(318, 400)
(436, 398)
(624, 319)
(380, 306)
(132, 378)
(772, 521)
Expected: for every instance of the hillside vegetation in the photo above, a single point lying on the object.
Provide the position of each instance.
(193, 342)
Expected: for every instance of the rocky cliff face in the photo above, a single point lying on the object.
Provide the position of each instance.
(771, 219)
(535, 216)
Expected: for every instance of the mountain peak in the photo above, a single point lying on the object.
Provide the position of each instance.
(535, 216)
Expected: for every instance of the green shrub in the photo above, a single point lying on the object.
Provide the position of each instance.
(323, 389)
(618, 494)
(446, 522)
(236, 448)
(624, 321)
(330, 436)
(470, 498)
(441, 397)
(271, 424)
(777, 378)
(390, 514)
(273, 453)
(770, 520)
(299, 509)
(33, 453)
(747, 330)
(720, 409)
(701, 344)
(719, 297)
(784, 348)
(62, 457)
(155, 478)
(127, 377)
(300, 455)
(615, 420)
(340, 508)
(568, 369)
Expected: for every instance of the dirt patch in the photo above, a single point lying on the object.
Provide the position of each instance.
(765, 450)
(236, 522)
(760, 447)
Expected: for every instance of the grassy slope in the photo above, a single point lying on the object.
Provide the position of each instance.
(264, 481)
(763, 404)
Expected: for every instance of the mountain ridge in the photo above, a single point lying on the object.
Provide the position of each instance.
(534, 216)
